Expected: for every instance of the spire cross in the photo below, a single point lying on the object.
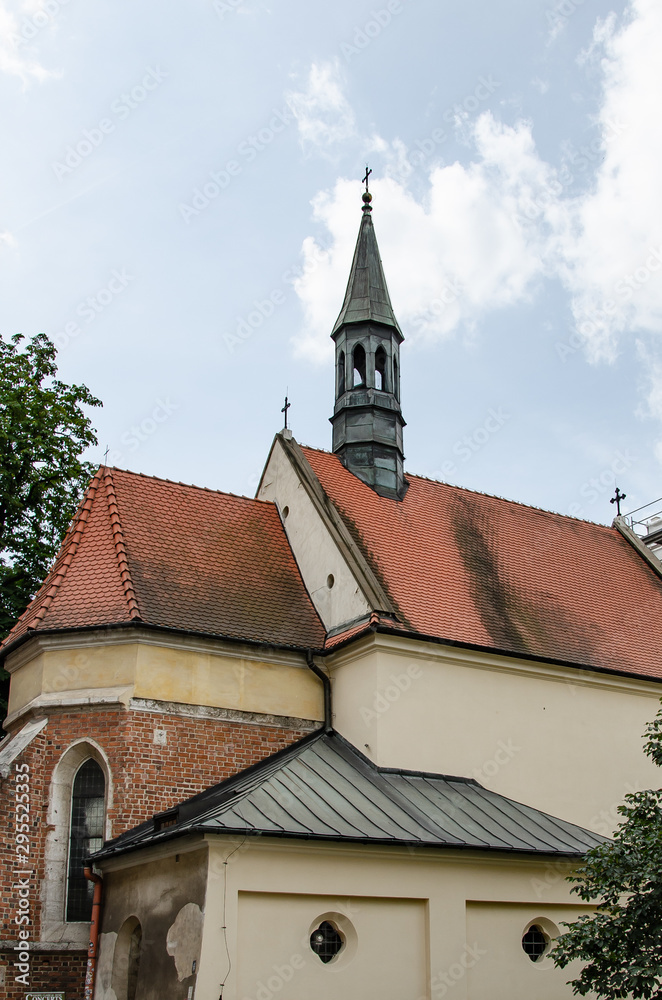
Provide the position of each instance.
(617, 500)
(285, 409)
(367, 175)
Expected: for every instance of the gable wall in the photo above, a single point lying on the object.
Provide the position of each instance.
(314, 549)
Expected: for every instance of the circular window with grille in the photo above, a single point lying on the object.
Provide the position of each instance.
(535, 942)
(326, 941)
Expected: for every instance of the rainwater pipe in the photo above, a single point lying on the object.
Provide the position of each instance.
(95, 926)
(328, 718)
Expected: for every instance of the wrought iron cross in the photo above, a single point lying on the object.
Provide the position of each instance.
(285, 409)
(367, 175)
(617, 500)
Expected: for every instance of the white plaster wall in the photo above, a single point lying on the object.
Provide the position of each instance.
(315, 551)
(565, 741)
(412, 917)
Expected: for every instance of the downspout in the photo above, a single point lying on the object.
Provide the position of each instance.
(328, 717)
(95, 926)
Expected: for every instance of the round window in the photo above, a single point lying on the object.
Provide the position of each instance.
(330, 580)
(326, 941)
(535, 942)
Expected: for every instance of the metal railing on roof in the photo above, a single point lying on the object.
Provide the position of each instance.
(649, 519)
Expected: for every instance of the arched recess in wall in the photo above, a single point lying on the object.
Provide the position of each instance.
(55, 925)
(126, 960)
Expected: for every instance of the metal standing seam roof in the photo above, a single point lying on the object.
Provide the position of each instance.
(323, 788)
(367, 298)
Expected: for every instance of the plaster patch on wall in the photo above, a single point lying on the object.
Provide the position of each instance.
(104, 990)
(184, 939)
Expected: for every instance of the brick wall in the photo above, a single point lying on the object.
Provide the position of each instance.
(147, 778)
(61, 971)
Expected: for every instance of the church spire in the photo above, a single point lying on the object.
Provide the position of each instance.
(367, 422)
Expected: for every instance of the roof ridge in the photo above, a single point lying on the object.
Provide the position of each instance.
(482, 493)
(65, 557)
(188, 486)
(120, 547)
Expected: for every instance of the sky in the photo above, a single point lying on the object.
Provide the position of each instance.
(181, 196)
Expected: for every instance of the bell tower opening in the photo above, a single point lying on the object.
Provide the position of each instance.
(367, 421)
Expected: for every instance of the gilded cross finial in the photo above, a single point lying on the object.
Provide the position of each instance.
(617, 500)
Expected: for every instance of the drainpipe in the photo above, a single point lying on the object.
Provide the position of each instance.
(328, 723)
(95, 926)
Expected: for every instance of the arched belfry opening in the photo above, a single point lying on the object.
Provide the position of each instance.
(358, 361)
(367, 422)
(380, 370)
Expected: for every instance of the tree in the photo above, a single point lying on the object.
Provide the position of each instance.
(621, 942)
(43, 432)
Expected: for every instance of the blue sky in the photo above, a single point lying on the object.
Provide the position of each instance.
(182, 194)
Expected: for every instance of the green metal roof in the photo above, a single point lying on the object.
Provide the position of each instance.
(367, 295)
(322, 788)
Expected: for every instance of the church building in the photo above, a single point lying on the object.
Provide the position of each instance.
(344, 739)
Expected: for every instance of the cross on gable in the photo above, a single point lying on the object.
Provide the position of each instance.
(285, 409)
(617, 500)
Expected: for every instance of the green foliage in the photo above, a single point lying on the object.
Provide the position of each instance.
(43, 432)
(622, 941)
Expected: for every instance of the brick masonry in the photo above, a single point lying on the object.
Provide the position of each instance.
(147, 777)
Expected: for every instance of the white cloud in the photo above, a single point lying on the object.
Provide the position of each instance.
(611, 267)
(487, 231)
(324, 116)
(480, 241)
(20, 24)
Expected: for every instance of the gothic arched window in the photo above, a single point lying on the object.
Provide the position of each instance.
(341, 373)
(380, 369)
(396, 383)
(86, 836)
(359, 366)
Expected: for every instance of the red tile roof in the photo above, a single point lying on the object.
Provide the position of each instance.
(145, 549)
(483, 571)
